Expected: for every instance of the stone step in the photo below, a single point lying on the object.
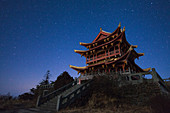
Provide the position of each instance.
(48, 104)
(48, 108)
(52, 104)
(52, 101)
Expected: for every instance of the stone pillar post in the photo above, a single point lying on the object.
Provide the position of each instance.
(79, 81)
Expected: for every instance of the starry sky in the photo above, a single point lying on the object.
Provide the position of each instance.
(41, 35)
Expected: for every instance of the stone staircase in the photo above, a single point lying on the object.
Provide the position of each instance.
(52, 104)
(49, 105)
(62, 97)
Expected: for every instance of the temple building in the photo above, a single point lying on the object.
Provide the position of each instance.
(109, 53)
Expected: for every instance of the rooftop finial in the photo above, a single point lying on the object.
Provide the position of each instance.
(100, 29)
(119, 24)
(123, 29)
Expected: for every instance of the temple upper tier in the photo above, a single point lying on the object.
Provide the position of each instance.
(109, 52)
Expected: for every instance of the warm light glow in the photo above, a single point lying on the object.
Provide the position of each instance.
(119, 24)
(147, 69)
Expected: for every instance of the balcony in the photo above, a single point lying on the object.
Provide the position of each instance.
(103, 56)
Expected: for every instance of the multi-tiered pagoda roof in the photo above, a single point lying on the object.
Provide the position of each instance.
(109, 52)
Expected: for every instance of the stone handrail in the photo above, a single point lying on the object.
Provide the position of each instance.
(71, 96)
(43, 99)
(159, 79)
(167, 79)
(46, 86)
(155, 78)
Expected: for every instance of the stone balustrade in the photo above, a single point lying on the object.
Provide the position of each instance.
(42, 99)
(70, 97)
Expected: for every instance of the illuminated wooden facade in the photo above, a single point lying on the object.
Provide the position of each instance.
(109, 52)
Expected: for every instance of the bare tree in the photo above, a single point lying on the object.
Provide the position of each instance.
(47, 77)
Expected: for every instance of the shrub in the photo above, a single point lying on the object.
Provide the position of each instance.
(26, 96)
(160, 104)
(62, 80)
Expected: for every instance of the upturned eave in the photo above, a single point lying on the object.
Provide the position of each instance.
(78, 68)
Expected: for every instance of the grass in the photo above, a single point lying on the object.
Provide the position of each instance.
(15, 103)
(102, 97)
(105, 96)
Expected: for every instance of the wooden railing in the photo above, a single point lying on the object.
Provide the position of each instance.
(102, 56)
(42, 99)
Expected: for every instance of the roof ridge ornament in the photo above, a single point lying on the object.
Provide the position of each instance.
(134, 46)
(100, 29)
(130, 48)
(141, 54)
(79, 50)
(81, 43)
(124, 29)
(119, 24)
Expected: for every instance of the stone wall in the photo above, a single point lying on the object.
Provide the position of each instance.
(106, 93)
(139, 93)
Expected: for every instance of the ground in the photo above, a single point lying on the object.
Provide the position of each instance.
(133, 109)
(101, 98)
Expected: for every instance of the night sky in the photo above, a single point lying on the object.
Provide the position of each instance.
(41, 35)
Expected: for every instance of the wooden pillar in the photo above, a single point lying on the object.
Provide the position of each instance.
(123, 66)
(108, 52)
(114, 49)
(116, 69)
(119, 47)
